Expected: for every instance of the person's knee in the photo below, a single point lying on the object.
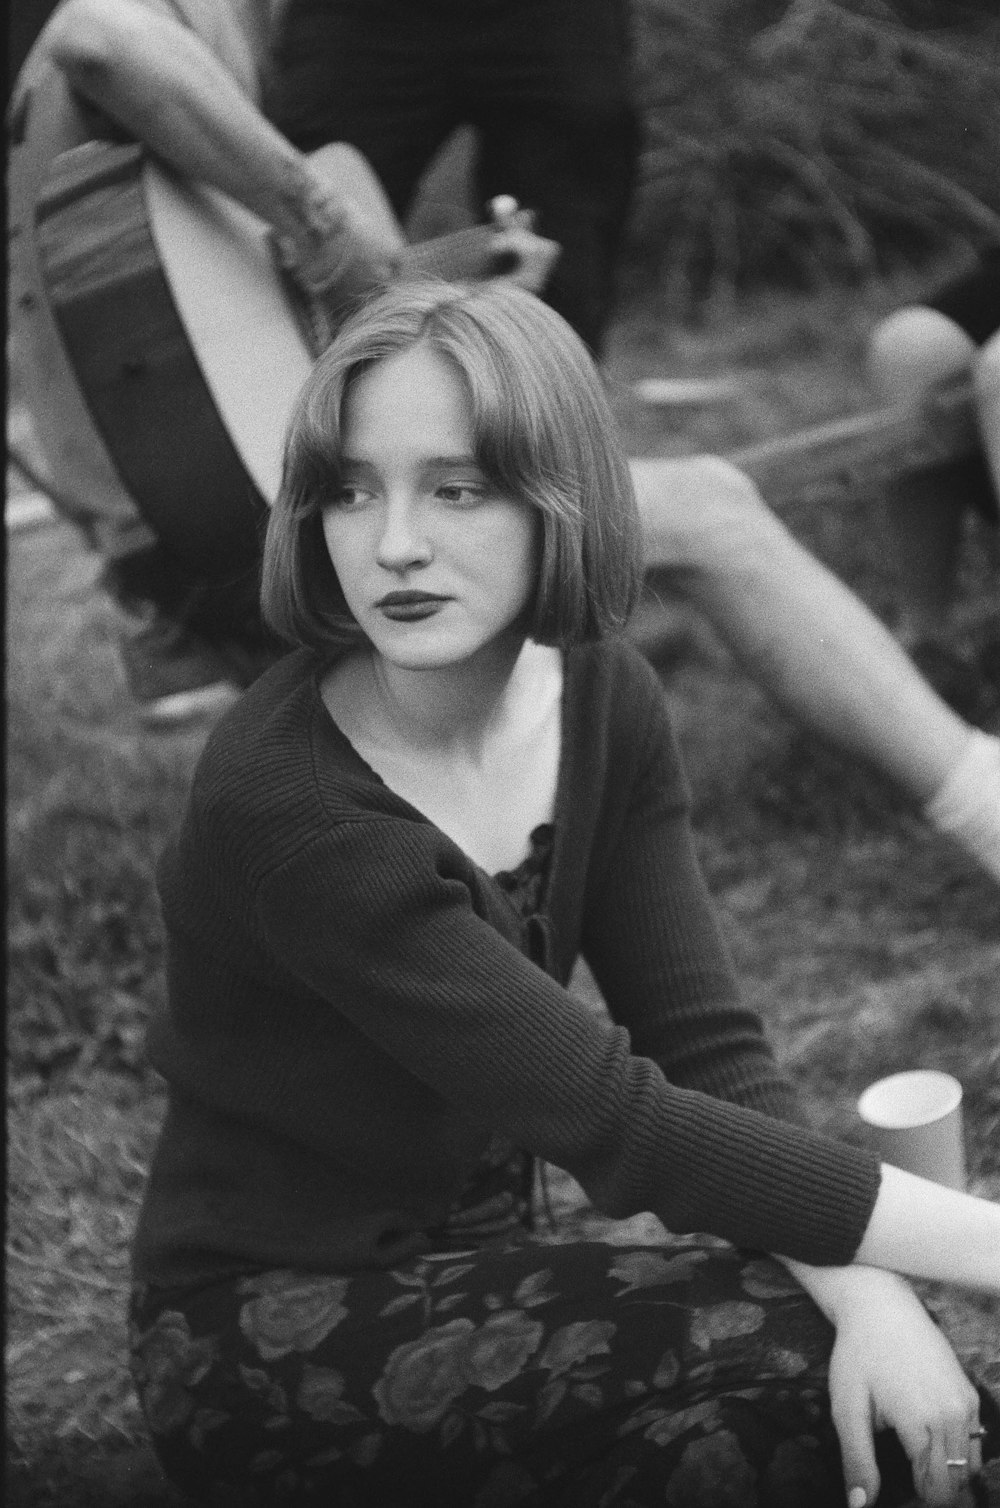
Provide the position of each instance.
(81, 36)
(986, 383)
(913, 348)
(699, 510)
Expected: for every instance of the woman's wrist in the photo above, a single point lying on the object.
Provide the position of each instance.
(926, 1230)
(844, 1293)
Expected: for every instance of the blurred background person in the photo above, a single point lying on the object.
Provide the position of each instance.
(918, 346)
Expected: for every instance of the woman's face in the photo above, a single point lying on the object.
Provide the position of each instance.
(433, 561)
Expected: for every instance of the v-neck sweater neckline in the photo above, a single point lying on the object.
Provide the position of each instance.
(568, 742)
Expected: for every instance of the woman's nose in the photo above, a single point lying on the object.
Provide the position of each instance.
(403, 540)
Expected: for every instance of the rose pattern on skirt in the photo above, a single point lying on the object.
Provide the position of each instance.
(422, 1377)
(697, 1379)
(290, 1311)
(499, 1349)
(713, 1472)
(167, 1363)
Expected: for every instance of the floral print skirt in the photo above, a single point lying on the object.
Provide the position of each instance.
(511, 1371)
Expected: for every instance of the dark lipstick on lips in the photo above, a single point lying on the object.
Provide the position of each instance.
(405, 607)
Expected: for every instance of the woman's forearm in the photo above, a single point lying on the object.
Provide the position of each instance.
(925, 1230)
(918, 1229)
(837, 1290)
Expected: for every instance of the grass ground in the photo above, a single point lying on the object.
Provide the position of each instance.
(867, 944)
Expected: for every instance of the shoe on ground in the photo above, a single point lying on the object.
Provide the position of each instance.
(174, 675)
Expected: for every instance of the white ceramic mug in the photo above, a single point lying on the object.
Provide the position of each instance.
(914, 1121)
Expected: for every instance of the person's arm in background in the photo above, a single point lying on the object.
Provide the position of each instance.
(158, 79)
(793, 626)
(165, 85)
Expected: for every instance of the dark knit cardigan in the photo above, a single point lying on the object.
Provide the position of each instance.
(355, 1006)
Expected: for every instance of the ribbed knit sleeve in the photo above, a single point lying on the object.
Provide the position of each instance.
(651, 937)
(375, 917)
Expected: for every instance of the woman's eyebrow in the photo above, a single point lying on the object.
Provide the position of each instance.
(444, 461)
(465, 459)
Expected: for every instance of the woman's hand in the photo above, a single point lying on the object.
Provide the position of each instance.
(892, 1368)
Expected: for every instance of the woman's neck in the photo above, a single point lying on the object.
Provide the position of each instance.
(461, 710)
(475, 747)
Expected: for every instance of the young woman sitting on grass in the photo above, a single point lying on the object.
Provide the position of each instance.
(396, 846)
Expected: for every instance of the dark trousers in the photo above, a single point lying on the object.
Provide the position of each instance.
(545, 83)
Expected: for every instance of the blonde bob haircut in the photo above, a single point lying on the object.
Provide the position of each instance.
(541, 431)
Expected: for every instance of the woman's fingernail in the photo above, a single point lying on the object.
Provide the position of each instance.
(857, 1498)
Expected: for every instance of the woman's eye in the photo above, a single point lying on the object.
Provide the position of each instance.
(347, 497)
(460, 492)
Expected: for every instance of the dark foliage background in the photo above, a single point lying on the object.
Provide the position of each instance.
(812, 141)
